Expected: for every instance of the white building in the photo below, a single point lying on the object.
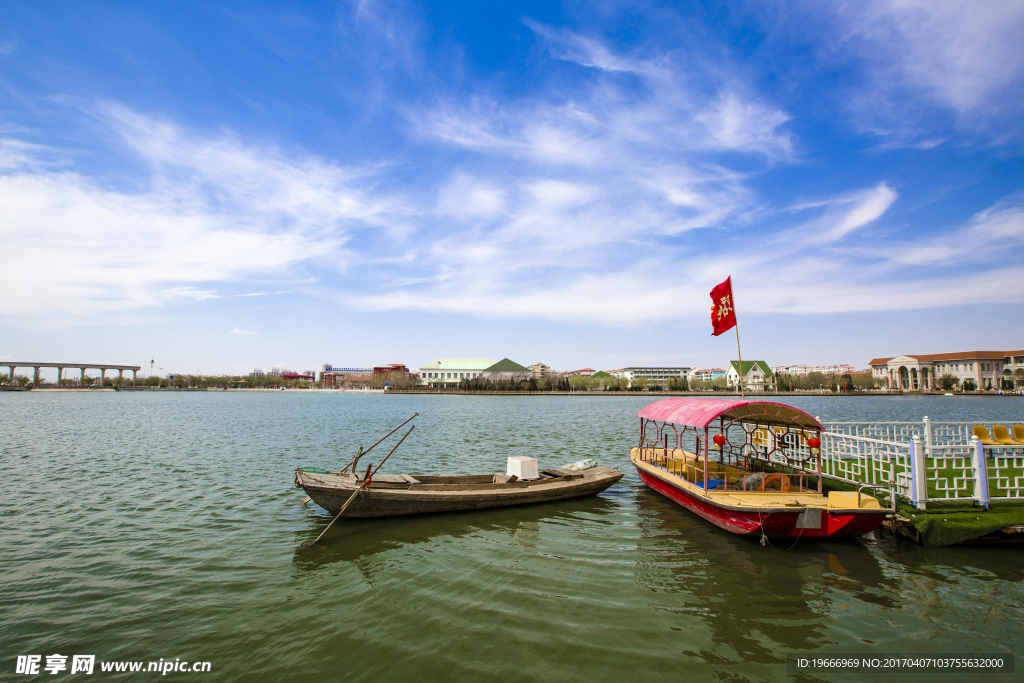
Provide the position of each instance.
(804, 370)
(653, 374)
(707, 375)
(582, 372)
(757, 376)
(448, 372)
(921, 372)
(539, 371)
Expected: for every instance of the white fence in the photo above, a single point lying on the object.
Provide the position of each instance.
(924, 461)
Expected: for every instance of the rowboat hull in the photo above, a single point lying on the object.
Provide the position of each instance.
(332, 492)
(767, 519)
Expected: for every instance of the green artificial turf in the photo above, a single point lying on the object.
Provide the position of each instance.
(952, 523)
(949, 523)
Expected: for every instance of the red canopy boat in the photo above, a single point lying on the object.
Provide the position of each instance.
(750, 467)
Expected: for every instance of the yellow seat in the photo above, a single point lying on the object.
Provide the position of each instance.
(1018, 433)
(982, 433)
(1001, 435)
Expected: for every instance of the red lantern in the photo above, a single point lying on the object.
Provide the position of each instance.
(719, 440)
(814, 443)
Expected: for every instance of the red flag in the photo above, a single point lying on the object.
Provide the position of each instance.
(723, 313)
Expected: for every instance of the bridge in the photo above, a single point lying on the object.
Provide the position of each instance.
(102, 367)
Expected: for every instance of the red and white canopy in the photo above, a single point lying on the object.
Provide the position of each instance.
(701, 412)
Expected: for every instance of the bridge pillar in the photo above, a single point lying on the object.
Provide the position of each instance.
(60, 369)
(135, 377)
(103, 376)
(81, 380)
(35, 377)
(120, 375)
(11, 368)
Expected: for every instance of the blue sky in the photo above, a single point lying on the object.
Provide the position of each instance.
(223, 186)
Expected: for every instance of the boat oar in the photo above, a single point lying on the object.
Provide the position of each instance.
(366, 482)
(361, 453)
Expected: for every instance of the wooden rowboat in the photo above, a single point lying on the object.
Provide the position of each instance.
(402, 494)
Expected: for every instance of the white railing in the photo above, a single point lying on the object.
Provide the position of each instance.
(924, 461)
(864, 460)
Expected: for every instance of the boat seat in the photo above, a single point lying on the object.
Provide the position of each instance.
(982, 433)
(1001, 435)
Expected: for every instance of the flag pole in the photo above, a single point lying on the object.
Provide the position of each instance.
(739, 353)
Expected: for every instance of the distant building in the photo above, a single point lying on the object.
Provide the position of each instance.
(448, 372)
(389, 368)
(284, 373)
(309, 375)
(327, 367)
(707, 375)
(539, 371)
(757, 376)
(921, 371)
(804, 370)
(337, 378)
(506, 369)
(655, 374)
(583, 372)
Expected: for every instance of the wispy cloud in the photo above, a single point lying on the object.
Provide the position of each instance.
(619, 194)
(923, 55)
(213, 212)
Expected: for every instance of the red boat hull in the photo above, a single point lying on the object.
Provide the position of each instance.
(774, 524)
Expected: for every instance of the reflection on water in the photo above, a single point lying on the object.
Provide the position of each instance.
(351, 540)
(754, 602)
(146, 526)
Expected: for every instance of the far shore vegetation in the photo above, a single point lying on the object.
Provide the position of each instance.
(522, 382)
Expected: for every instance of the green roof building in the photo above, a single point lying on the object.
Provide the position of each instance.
(507, 369)
(757, 376)
(448, 372)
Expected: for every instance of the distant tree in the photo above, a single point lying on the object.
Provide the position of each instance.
(21, 380)
(947, 382)
(531, 384)
(639, 384)
(846, 383)
(969, 385)
(817, 380)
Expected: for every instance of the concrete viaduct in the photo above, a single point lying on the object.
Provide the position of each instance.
(81, 366)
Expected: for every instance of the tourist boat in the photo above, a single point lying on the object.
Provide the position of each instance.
(402, 494)
(749, 467)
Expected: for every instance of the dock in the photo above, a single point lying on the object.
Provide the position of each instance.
(944, 485)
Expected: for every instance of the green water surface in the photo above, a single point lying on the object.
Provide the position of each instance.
(140, 526)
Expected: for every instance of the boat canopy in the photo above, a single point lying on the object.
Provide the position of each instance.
(701, 412)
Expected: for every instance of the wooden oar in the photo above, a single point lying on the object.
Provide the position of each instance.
(360, 453)
(366, 482)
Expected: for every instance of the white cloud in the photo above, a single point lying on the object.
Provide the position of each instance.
(238, 331)
(960, 56)
(844, 215)
(214, 211)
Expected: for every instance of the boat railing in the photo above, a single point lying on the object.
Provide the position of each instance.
(942, 472)
(721, 477)
(924, 462)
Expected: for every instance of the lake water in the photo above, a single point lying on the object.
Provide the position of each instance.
(140, 526)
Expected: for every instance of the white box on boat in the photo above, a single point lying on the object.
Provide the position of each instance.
(523, 467)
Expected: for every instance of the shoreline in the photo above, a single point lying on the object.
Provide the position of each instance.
(653, 395)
